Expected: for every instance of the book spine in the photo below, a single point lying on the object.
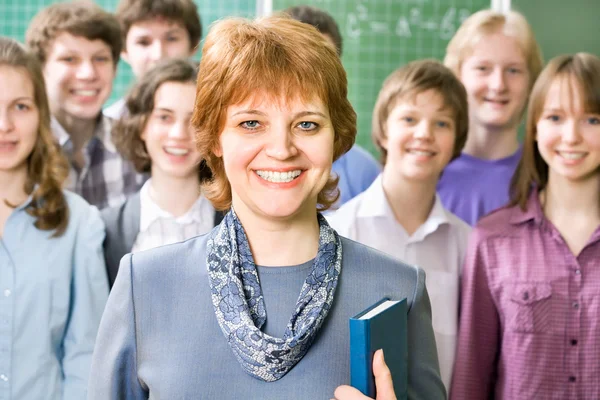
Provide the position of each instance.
(361, 368)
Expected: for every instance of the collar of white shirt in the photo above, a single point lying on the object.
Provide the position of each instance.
(150, 211)
(103, 132)
(374, 203)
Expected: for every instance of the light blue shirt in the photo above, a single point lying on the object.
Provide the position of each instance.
(357, 170)
(52, 295)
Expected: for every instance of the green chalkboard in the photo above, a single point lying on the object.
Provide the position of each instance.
(16, 14)
(382, 35)
(563, 26)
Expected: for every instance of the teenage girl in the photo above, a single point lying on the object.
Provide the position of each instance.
(52, 282)
(529, 323)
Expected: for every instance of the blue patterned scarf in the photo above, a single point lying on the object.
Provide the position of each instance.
(239, 305)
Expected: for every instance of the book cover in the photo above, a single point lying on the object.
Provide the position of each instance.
(381, 326)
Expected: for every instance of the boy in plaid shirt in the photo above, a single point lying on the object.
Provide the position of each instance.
(79, 44)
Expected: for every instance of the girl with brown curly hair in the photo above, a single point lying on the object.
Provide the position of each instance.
(52, 283)
(156, 136)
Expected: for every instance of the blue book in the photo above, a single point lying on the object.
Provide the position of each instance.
(381, 326)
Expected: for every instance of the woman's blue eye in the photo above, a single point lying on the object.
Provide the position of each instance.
(409, 120)
(594, 121)
(21, 107)
(443, 124)
(553, 118)
(307, 125)
(250, 124)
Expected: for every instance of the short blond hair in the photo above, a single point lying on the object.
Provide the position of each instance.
(406, 83)
(278, 56)
(487, 22)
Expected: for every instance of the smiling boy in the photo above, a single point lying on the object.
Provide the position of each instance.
(153, 30)
(496, 57)
(78, 45)
(420, 123)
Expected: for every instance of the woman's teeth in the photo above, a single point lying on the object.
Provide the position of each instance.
(279, 177)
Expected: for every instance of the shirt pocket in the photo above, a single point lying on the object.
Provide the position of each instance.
(530, 307)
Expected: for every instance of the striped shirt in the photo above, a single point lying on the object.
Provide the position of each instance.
(105, 179)
(158, 227)
(530, 312)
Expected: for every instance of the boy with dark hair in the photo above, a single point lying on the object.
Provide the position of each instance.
(78, 44)
(357, 169)
(320, 20)
(153, 30)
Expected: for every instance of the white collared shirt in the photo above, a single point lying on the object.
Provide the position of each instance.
(158, 227)
(116, 110)
(438, 247)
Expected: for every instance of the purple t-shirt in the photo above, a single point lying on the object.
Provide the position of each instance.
(471, 187)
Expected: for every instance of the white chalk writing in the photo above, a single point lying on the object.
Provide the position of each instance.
(359, 21)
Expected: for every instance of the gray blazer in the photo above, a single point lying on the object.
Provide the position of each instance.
(122, 227)
(159, 337)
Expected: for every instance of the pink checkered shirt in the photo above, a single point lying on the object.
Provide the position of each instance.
(530, 312)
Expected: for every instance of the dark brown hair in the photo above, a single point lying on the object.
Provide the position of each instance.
(79, 18)
(406, 83)
(139, 106)
(582, 72)
(319, 19)
(47, 166)
(278, 56)
(185, 12)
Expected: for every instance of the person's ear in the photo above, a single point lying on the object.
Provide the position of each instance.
(218, 151)
(192, 51)
(383, 142)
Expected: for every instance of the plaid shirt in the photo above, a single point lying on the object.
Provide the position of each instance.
(105, 179)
